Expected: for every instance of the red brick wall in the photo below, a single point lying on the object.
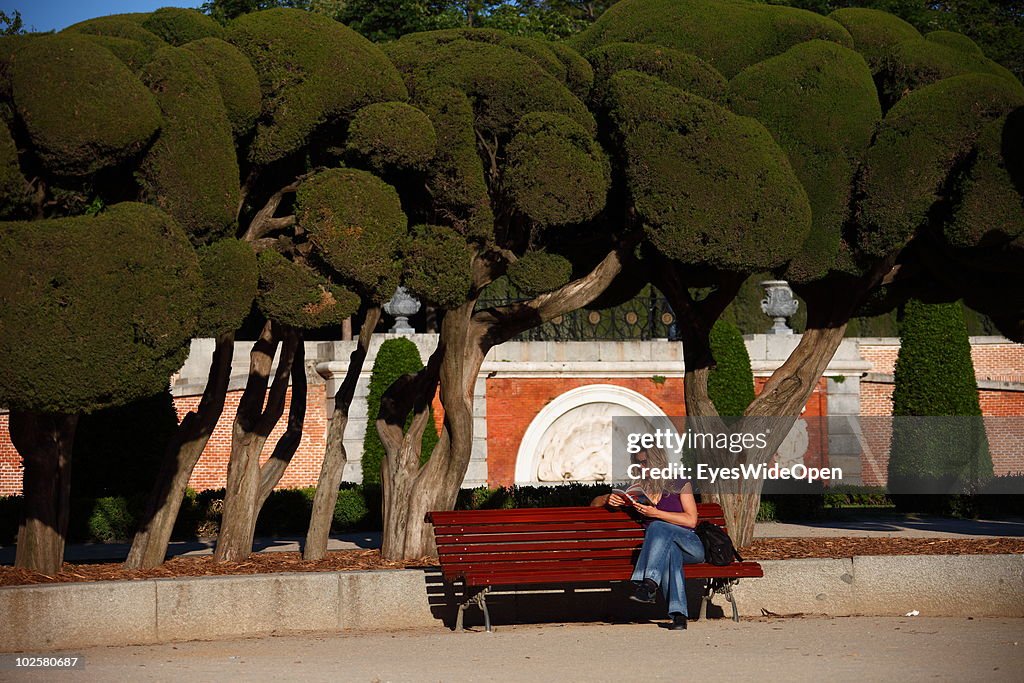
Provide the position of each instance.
(211, 470)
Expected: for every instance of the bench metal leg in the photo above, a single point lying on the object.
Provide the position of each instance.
(480, 600)
(723, 587)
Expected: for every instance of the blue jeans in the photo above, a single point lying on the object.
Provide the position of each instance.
(667, 547)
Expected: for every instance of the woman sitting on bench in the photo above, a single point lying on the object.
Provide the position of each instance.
(669, 539)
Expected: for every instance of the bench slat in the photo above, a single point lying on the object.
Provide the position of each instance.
(504, 558)
(560, 544)
(580, 574)
(528, 527)
(470, 538)
(543, 514)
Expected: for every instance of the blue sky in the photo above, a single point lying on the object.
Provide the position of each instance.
(43, 15)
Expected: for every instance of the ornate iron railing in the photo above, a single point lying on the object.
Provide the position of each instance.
(641, 318)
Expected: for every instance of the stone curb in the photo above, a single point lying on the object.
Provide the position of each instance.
(77, 615)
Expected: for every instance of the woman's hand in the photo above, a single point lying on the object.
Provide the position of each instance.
(615, 500)
(648, 510)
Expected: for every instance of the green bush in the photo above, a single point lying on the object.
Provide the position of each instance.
(396, 357)
(111, 520)
(731, 382)
(934, 379)
(286, 512)
(350, 510)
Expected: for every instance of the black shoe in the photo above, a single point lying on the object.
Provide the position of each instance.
(645, 592)
(678, 622)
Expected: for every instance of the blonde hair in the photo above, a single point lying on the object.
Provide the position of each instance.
(656, 459)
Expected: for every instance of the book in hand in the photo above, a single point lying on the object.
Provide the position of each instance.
(635, 494)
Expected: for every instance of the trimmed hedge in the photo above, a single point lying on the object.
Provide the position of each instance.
(712, 188)
(934, 376)
(395, 358)
(82, 108)
(312, 70)
(731, 382)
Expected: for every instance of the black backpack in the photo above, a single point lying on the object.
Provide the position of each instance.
(718, 547)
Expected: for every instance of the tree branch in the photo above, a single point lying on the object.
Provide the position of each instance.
(505, 322)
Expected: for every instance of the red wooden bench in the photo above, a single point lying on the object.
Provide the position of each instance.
(489, 548)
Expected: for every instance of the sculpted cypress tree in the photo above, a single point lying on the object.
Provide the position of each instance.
(94, 312)
(219, 128)
(518, 170)
(795, 170)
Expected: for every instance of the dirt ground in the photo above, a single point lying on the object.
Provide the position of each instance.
(344, 560)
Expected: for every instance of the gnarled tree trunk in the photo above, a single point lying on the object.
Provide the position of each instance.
(149, 547)
(412, 490)
(253, 424)
(44, 441)
(781, 400)
(335, 457)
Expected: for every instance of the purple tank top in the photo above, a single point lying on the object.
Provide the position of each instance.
(670, 502)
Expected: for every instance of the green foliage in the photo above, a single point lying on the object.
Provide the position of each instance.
(918, 144)
(555, 173)
(132, 53)
(312, 70)
(728, 35)
(395, 357)
(350, 510)
(383, 20)
(579, 75)
(537, 272)
(819, 102)
(392, 136)
(934, 373)
(711, 187)
(437, 266)
(955, 40)
(129, 440)
(124, 26)
(191, 171)
(178, 25)
(111, 521)
(356, 223)
(14, 188)
(294, 295)
(230, 279)
(934, 376)
(503, 84)
(874, 32)
(675, 67)
(456, 176)
(94, 311)
(913, 64)
(731, 382)
(81, 107)
(989, 209)
(236, 79)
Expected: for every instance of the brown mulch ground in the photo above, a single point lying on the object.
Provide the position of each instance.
(348, 560)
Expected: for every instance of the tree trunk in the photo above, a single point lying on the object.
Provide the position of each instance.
(250, 430)
(284, 450)
(44, 441)
(149, 547)
(335, 457)
(777, 406)
(410, 490)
